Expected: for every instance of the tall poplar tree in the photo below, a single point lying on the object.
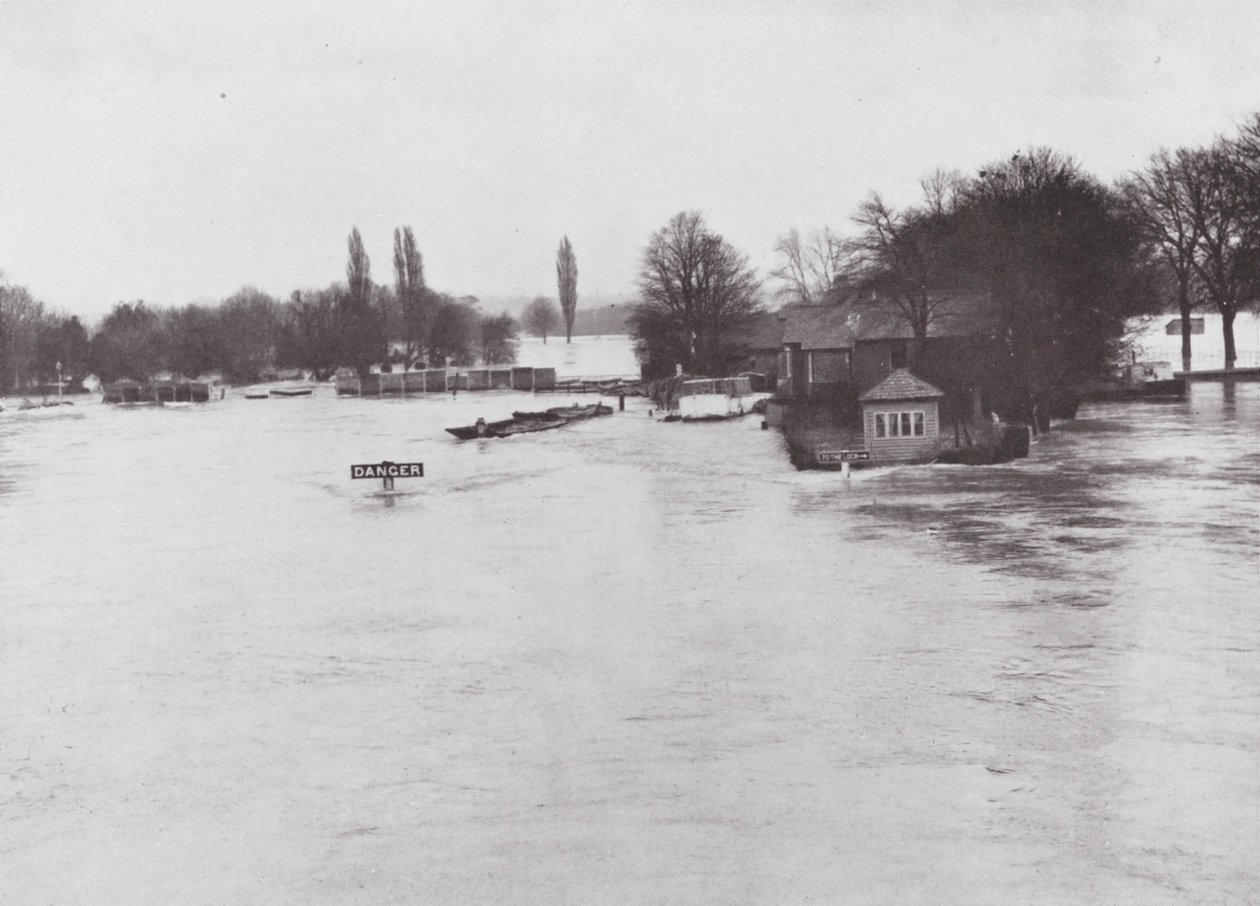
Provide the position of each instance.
(566, 284)
(413, 296)
(362, 339)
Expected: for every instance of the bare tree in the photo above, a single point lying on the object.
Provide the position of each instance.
(566, 284)
(1228, 246)
(809, 268)
(541, 317)
(942, 190)
(1161, 198)
(903, 257)
(696, 293)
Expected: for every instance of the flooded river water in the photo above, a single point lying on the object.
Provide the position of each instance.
(624, 662)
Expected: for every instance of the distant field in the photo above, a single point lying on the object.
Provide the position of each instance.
(1207, 349)
(586, 356)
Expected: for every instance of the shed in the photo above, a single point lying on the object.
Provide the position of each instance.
(901, 418)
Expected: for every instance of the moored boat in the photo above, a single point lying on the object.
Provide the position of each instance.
(506, 427)
(569, 413)
(715, 398)
(292, 391)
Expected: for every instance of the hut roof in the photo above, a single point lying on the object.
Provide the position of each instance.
(901, 385)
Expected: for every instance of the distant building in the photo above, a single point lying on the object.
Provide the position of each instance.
(1173, 327)
(761, 341)
(858, 368)
(836, 352)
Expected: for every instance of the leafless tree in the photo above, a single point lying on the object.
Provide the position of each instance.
(902, 256)
(1164, 199)
(942, 190)
(1228, 246)
(808, 268)
(696, 292)
(566, 284)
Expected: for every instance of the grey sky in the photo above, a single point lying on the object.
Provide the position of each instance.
(177, 151)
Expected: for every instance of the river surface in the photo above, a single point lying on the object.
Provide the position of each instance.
(623, 662)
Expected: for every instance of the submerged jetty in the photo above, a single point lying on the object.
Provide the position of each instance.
(129, 392)
(445, 380)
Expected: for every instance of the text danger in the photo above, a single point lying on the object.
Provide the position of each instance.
(388, 470)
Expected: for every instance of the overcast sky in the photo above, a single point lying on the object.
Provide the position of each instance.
(177, 151)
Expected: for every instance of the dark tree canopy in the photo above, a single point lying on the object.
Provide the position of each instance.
(193, 340)
(128, 343)
(63, 341)
(455, 334)
(1060, 262)
(311, 335)
(22, 319)
(499, 339)
(541, 318)
(252, 323)
(696, 293)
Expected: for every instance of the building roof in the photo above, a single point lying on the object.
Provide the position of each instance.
(840, 326)
(819, 326)
(900, 385)
(763, 331)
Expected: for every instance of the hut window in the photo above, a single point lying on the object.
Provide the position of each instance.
(900, 424)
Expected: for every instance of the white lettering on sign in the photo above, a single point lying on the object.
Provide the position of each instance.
(843, 455)
(388, 470)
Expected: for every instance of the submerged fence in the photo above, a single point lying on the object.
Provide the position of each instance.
(444, 380)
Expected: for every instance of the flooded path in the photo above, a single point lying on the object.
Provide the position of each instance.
(624, 662)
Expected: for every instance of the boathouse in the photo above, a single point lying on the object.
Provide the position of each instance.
(901, 418)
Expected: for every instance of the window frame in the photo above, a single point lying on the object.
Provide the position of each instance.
(887, 424)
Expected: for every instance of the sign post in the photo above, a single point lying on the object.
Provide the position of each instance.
(387, 471)
(844, 457)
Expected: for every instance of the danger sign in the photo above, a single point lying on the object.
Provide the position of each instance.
(388, 470)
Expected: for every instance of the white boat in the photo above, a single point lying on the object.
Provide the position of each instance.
(714, 398)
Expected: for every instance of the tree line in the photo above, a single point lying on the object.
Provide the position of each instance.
(1053, 264)
(250, 335)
